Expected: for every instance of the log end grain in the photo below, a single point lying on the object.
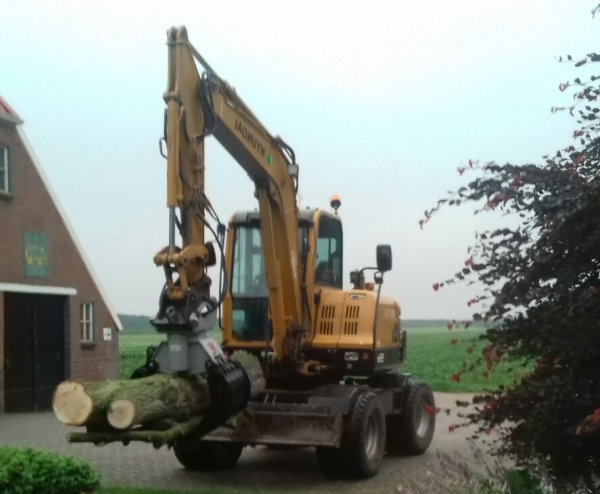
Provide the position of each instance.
(71, 404)
(121, 414)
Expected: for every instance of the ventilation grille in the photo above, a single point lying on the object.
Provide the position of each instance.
(351, 320)
(327, 316)
(352, 311)
(350, 328)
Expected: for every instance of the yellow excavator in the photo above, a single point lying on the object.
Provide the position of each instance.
(330, 355)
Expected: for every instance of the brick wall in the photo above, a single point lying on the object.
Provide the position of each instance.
(30, 208)
(1, 352)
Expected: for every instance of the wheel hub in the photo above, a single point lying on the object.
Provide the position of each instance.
(372, 437)
(422, 424)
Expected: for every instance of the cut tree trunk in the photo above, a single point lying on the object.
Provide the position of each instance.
(123, 405)
(154, 399)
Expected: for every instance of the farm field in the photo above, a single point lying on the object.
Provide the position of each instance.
(432, 356)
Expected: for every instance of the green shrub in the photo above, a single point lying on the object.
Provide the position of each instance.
(28, 471)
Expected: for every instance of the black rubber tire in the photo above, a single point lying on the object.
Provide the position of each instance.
(206, 456)
(411, 432)
(363, 441)
(331, 462)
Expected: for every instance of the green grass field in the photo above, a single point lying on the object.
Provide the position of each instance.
(431, 357)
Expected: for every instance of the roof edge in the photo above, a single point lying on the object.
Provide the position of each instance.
(8, 113)
(6, 117)
(70, 230)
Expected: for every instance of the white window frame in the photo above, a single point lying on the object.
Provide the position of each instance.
(87, 322)
(4, 187)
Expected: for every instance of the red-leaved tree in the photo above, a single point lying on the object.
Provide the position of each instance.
(541, 293)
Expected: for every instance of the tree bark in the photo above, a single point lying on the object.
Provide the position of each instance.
(169, 396)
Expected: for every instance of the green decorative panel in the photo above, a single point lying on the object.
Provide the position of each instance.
(37, 255)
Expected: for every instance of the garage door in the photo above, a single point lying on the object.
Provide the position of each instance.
(34, 343)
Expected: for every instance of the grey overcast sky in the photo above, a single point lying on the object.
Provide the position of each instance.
(381, 101)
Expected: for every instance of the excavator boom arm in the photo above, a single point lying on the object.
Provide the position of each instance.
(199, 106)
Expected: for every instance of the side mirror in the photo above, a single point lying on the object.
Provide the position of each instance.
(384, 258)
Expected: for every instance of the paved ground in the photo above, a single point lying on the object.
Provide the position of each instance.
(276, 470)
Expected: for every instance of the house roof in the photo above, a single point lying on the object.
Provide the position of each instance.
(7, 113)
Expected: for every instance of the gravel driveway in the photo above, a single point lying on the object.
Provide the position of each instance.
(277, 470)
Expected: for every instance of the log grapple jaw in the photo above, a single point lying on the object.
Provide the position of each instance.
(190, 350)
(229, 388)
(228, 385)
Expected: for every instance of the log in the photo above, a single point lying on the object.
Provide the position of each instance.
(78, 403)
(157, 397)
(123, 405)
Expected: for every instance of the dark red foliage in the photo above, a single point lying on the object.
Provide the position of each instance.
(539, 278)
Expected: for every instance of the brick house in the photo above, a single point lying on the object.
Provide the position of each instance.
(55, 320)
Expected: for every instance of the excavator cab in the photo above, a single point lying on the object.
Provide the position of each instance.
(344, 332)
(246, 320)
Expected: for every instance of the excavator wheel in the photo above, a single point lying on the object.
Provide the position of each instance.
(363, 440)
(206, 456)
(411, 432)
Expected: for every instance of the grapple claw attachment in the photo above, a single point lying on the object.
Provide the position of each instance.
(229, 388)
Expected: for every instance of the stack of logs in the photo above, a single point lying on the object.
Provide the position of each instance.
(129, 410)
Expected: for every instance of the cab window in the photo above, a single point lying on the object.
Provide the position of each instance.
(249, 287)
(248, 268)
(329, 262)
